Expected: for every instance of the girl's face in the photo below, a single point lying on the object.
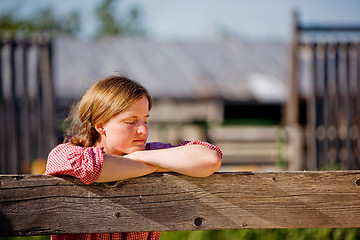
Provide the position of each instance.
(127, 131)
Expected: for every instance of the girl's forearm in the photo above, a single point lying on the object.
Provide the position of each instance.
(193, 160)
(118, 168)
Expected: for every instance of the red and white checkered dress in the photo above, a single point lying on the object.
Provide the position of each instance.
(86, 164)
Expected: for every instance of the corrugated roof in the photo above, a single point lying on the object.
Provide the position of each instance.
(228, 69)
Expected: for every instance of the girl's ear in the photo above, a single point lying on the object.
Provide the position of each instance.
(100, 129)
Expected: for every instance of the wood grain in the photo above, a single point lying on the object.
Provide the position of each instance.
(36, 204)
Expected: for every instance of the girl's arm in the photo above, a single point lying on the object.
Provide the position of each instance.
(192, 160)
(119, 168)
(93, 165)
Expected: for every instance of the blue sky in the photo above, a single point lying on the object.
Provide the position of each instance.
(204, 19)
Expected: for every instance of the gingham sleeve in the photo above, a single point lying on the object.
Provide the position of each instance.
(159, 145)
(80, 162)
(206, 144)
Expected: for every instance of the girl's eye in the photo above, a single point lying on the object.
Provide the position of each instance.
(130, 122)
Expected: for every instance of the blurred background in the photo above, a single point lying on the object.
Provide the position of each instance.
(274, 84)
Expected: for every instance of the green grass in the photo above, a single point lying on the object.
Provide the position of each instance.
(43, 237)
(266, 234)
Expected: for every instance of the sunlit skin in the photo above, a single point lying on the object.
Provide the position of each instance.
(127, 131)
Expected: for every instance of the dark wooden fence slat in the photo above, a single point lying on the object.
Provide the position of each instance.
(311, 114)
(35, 204)
(357, 66)
(47, 105)
(325, 112)
(332, 91)
(349, 159)
(39, 103)
(12, 112)
(320, 95)
(337, 102)
(2, 115)
(25, 111)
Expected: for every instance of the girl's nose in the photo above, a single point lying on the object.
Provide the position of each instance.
(142, 129)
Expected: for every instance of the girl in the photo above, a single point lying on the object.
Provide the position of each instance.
(107, 139)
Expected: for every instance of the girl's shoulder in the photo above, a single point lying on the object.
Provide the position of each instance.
(70, 149)
(84, 163)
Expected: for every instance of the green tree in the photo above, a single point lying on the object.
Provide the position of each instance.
(43, 20)
(113, 24)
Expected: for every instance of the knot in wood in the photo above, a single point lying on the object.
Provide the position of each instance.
(198, 221)
(113, 184)
(357, 182)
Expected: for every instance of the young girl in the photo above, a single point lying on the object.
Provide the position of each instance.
(107, 139)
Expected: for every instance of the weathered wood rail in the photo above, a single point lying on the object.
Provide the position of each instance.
(37, 204)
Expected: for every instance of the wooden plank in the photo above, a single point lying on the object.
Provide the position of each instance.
(255, 153)
(186, 110)
(36, 204)
(245, 133)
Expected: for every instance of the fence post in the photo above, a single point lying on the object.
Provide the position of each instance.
(292, 106)
(2, 115)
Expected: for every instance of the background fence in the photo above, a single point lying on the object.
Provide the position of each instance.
(326, 94)
(26, 102)
(334, 104)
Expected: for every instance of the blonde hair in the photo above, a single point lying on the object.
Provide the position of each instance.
(105, 99)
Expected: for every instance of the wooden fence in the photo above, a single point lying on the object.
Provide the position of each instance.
(325, 94)
(37, 204)
(26, 102)
(334, 105)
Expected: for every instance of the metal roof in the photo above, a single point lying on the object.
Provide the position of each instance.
(227, 69)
